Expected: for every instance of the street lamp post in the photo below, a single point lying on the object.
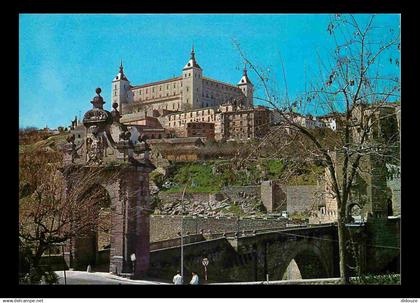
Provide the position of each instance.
(182, 232)
(64, 268)
(205, 262)
(133, 262)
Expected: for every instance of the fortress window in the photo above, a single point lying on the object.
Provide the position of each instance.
(174, 85)
(153, 89)
(160, 88)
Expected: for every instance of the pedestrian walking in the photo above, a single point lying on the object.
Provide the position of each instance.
(177, 278)
(194, 280)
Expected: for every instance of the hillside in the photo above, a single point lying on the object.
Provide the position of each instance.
(44, 142)
(211, 176)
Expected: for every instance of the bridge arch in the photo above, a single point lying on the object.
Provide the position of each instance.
(305, 257)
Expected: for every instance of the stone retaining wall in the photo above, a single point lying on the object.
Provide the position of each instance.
(300, 198)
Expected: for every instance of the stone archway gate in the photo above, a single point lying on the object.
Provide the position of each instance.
(111, 145)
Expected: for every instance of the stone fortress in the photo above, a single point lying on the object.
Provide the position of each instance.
(190, 91)
(191, 105)
(195, 106)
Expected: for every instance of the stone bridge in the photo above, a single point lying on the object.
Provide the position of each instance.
(288, 253)
(314, 250)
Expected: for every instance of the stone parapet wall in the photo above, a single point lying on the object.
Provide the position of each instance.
(176, 242)
(169, 227)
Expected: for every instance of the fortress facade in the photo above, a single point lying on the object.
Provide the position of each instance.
(190, 91)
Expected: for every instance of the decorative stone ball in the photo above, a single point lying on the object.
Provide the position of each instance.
(114, 105)
(98, 90)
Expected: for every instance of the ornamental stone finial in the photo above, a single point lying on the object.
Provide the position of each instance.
(98, 101)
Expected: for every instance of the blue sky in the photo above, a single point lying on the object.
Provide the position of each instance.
(63, 57)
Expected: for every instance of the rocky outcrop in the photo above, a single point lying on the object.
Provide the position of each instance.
(207, 204)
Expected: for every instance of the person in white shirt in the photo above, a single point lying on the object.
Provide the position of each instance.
(177, 278)
(194, 280)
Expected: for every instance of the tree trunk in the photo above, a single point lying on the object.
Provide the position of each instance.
(344, 274)
(36, 260)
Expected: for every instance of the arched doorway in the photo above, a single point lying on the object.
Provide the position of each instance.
(92, 246)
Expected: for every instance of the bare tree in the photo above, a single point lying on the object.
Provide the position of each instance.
(50, 213)
(354, 89)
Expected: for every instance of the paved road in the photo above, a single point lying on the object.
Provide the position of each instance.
(82, 277)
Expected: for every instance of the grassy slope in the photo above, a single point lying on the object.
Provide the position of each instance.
(203, 179)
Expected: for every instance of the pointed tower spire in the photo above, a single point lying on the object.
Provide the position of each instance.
(192, 62)
(121, 75)
(244, 79)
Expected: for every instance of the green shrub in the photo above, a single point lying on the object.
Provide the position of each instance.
(369, 279)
